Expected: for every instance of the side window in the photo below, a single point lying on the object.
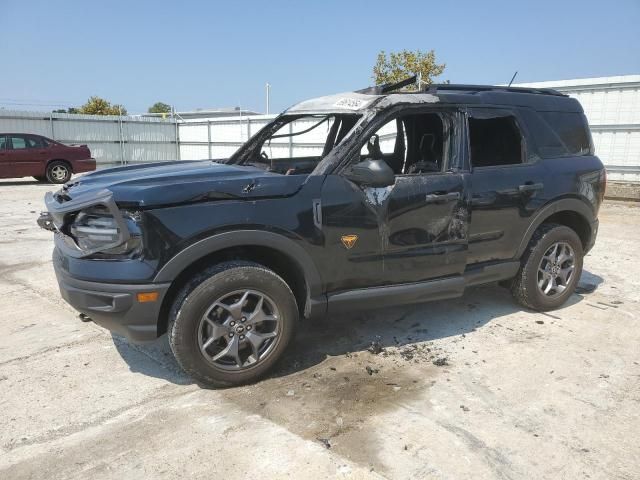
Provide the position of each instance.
(18, 143)
(384, 144)
(412, 144)
(3, 143)
(495, 139)
(34, 142)
(572, 130)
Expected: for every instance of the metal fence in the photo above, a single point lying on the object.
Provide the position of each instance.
(611, 104)
(111, 139)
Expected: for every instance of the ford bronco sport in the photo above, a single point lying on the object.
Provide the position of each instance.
(410, 197)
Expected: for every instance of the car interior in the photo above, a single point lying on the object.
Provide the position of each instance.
(411, 144)
(315, 136)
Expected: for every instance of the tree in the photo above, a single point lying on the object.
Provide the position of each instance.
(400, 65)
(159, 107)
(99, 106)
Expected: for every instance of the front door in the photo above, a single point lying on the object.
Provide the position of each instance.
(5, 163)
(425, 227)
(413, 230)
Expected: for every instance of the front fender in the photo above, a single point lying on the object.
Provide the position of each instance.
(257, 238)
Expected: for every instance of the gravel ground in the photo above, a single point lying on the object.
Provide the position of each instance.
(469, 388)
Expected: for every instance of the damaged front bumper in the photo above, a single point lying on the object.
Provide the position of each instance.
(113, 306)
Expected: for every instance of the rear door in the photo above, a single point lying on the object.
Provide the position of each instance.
(507, 185)
(27, 155)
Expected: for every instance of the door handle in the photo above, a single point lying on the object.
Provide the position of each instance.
(530, 187)
(442, 197)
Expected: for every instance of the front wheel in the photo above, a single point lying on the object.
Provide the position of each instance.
(551, 268)
(232, 323)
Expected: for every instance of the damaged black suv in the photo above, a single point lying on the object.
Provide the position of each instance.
(351, 201)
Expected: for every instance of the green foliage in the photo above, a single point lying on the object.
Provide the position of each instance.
(399, 65)
(99, 106)
(159, 107)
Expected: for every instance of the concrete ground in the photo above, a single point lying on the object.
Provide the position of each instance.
(520, 394)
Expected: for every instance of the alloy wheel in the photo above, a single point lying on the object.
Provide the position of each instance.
(59, 172)
(239, 330)
(556, 269)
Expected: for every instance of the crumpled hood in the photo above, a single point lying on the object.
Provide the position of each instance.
(171, 183)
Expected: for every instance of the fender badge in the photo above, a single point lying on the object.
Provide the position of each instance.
(349, 241)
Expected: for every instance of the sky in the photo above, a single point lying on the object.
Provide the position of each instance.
(212, 54)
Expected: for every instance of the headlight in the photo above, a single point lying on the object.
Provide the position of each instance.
(97, 231)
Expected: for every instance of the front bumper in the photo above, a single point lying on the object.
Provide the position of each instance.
(111, 305)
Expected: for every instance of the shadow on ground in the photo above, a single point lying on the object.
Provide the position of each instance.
(340, 335)
(18, 183)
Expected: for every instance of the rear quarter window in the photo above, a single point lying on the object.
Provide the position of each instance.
(558, 134)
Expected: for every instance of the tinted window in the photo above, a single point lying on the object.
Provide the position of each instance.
(35, 142)
(495, 139)
(18, 143)
(572, 130)
(3, 143)
(547, 140)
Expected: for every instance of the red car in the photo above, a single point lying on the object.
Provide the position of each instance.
(29, 155)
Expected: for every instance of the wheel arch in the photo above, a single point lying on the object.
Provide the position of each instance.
(274, 251)
(571, 212)
(67, 162)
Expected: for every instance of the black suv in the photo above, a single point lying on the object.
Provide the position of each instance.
(357, 200)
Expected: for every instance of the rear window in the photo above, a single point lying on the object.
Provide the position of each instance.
(559, 134)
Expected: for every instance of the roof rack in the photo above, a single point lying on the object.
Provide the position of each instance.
(388, 87)
(434, 88)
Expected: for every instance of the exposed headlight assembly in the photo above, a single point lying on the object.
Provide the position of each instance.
(96, 230)
(92, 224)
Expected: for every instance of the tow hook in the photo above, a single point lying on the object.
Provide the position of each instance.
(46, 221)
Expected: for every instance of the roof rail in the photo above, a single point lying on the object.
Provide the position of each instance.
(434, 88)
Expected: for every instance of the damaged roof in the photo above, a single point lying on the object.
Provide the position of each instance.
(353, 102)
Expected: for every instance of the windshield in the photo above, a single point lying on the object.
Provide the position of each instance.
(295, 144)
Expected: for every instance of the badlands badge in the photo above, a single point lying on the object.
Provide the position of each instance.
(349, 241)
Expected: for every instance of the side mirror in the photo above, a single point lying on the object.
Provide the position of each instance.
(371, 173)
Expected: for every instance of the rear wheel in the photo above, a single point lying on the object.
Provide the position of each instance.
(58, 172)
(551, 268)
(232, 323)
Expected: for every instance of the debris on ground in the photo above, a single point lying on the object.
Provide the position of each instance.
(540, 322)
(325, 442)
(290, 393)
(376, 346)
(464, 408)
(370, 370)
(440, 362)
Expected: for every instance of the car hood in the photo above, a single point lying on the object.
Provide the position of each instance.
(171, 183)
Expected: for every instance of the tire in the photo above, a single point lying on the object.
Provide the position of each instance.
(226, 284)
(536, 275)
(58, 172)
